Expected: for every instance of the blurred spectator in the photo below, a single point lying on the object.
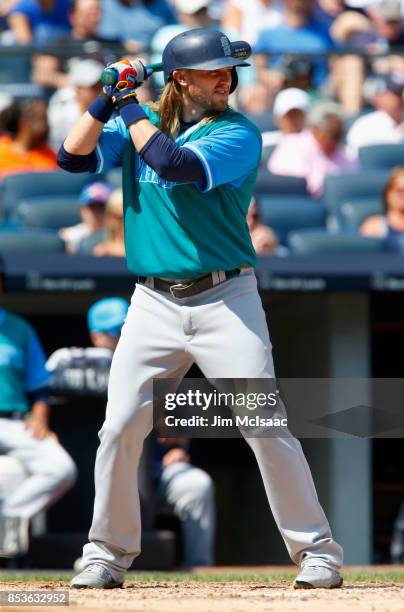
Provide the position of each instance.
(38, 21)
(387, 21)
(289, 112)
(296, 72)
(263, 238)
(24, 140)
(246, 19)
(190, 14)
(134, 22)
(85, 17)
(187, 490)
(316, 152)
(298, 32)
(326, 11)
(93, 199)
(386, 124)
(390, 225)
(68, 104)
(114, 244)
(379, 30)
(397, 540)
(25, 434)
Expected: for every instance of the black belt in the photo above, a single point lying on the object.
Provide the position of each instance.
(183, 290)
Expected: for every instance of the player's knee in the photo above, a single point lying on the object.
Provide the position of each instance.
(62, 469)
(203, 487)
(69, 471)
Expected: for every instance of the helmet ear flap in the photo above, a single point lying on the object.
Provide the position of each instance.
(234, 80)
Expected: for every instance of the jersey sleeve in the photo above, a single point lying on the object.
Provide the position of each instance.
(25, 7)
(36, 374)
(228, 156)
(110, 145)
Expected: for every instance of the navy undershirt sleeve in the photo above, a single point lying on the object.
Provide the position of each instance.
(41, 394)
(171, 162)
(76, 163)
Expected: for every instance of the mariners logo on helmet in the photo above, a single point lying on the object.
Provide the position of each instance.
(226, 45)
(204, 49)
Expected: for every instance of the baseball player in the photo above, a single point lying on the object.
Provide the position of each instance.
(188, 490)
(189, 166)
(25, 434)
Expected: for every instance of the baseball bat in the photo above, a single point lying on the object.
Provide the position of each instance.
(109, 76)
(239, 49)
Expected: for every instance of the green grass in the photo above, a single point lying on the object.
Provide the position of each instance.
(376, 575)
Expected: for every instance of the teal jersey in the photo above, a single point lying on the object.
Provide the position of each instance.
(185, 230)
(22, 363)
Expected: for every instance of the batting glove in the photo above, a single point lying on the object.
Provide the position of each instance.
(130, 76)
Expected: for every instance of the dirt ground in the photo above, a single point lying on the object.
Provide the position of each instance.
(251, 596)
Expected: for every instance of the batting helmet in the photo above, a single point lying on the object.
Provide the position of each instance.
(204, 49)
(107, 315)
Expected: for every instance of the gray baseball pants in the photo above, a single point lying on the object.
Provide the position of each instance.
(190, 493)
(51, 471)
(223, 330)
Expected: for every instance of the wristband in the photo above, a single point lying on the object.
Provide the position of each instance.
(131, 112)
(102, 108)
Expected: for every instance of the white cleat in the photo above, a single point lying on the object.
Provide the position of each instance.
(95, 576)
(14, 537)
(317, 577)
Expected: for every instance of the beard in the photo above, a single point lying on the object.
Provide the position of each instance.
(213, 103)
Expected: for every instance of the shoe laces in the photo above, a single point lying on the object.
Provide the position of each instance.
(95, 568)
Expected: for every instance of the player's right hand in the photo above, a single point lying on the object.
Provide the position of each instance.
(129, 75)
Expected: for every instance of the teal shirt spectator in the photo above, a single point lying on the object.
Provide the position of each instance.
(22, 363)
(185, 230)
(134, 20)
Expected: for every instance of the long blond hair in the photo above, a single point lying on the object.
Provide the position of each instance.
(169, 107)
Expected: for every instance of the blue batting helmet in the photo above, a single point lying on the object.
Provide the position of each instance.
(107, 315)
(204, 49)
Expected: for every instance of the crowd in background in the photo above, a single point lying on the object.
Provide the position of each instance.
(326, 79)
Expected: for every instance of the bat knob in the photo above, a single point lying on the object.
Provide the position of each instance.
(109, 76)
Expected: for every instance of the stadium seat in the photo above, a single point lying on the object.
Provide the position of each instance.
(352, 187)
(16, 187)
(263, 121)
(22, 91)
(15, 69)
(313, 242)
(30, 242)
(266, 154)
(382, 156)
(48, 212)
(268, 183)
(400, 244)
(87, 244)
(353, 214)
(286, 213)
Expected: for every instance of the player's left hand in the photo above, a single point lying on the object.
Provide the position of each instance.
(130, 76)
(39, 428)
(175, 455)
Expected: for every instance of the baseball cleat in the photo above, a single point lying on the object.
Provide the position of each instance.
(95, 576)
(317, 577)
(14, 537)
